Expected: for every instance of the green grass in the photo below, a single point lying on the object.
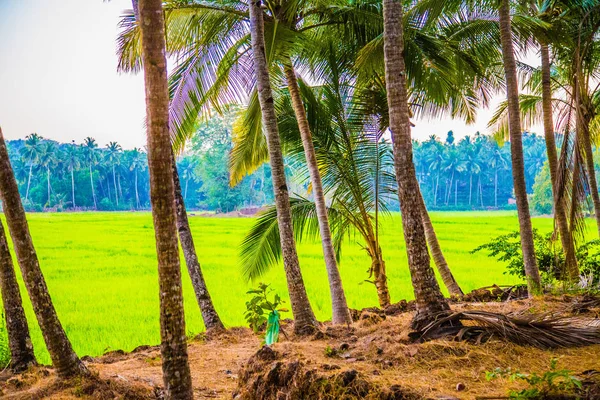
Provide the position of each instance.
(102, 276)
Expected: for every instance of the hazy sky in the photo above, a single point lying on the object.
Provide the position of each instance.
(58, 76)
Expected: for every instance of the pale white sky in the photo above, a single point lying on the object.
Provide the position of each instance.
(58, 76)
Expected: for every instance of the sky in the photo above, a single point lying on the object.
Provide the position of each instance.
(58, 76)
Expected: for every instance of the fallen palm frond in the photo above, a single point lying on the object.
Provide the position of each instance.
(541, 331)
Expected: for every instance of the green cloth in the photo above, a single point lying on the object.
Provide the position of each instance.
(272, 334)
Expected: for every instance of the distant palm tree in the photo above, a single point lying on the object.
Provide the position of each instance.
(30, 153)
(188, 173)
(138, 163)
(498, 162)
(47, 159)
(73, 163)
(91, 157)
(113, 157)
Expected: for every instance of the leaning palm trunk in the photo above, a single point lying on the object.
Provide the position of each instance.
(304, 317)
(560, 214)
(516, 147)
(436, 252)
(176, 371)
(28, 182)
(63, 357)
(340, 311)
(211, 319)
(19, 341)
(429, 299)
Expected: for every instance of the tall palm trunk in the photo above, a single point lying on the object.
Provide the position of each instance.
(340, 311)
(560, 214)
(429, 299)
(19, 341)
(92, 183)
(516, 148)
(305, 320)
(137, 196)
(176, 371)
(470, 187)
(61, 352)
(211, 319)
(73, 186)
(115, 184)
(48, 178)
(496, 187)
(436, 251)
(28, 182)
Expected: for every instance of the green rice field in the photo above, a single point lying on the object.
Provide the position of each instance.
(102, 275)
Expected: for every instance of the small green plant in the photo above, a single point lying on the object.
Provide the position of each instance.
(553, 381)
(259, 307)
(330, 352)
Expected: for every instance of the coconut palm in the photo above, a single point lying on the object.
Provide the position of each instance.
(176, 371)
(188, 173)
(137, 164)
(47, 160)
(73, 163)
(113, 157)
(30, 153)
(91, 155)
(64, 359)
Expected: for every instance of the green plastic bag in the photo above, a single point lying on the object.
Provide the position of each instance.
(272, 334)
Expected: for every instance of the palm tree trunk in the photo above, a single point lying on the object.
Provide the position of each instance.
(516, 147)
(176, 371)
(187, 181)
(559, 208)
(137, 196)
(456, 193)
(437, 181)
(61, 352)
(73, 187)
(340, 311)
(93, 190)
(211, 319)
(429, 299)
(496, 187)
(436, 252)
(115, 183)
(19, 341)
(304, 317)
(48, 178)
(470, 187)
(28, 182)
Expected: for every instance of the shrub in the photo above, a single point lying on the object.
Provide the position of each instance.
(259, 307)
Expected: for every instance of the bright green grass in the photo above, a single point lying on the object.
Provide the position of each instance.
(102, 276)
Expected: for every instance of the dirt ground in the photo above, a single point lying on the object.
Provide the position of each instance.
(376, 352)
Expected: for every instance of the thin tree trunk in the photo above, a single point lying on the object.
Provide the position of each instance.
(436, 252)
(73, 187)
(470, 187)
(28, 182)
(187, 181)
(61, 352)
(429, 299)
(48, 179)
(456, 193)
(93, 190)
(496, 187)
(516, 147)
(340, 311)
(115, 183)
(437, 181)
(176, 371)
(305, 321)
(560, 214)
(19, 341)
(137, 196)
(211, 319)
(119, 184)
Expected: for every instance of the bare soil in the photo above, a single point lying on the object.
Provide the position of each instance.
(374, 359)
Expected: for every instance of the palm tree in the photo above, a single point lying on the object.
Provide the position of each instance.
(188, 173)
(498, 163)
(176, 371)
(514, 116)
(91, 156)
(137, 164)
(19, 341)
(63, 357)
(429, 299)
(305, 321)
(73, 164)
(30, 153)
(113, 155)
(47, 159)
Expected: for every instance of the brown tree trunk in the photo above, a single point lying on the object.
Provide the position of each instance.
(63, 357)
(305, 321)
(436, 252)
(340, 311)
(19, 341)
(429, 299)
(176, 370)
(516, 148)
(211, 319)
(560, 214)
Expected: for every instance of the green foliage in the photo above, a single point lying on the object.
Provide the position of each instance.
(541, 200)
(550, 256)
(259, 307)
(539, 385)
